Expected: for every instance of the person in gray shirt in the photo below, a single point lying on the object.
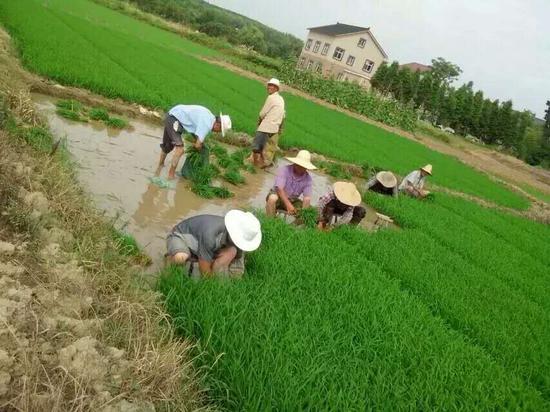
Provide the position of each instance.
(215, 241)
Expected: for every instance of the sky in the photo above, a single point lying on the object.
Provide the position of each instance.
(503, 46)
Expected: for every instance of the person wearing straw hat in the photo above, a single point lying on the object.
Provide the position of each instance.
(197, 120)
(413, 183)
(384, 183)
(216, 241)
(270, 124)
(340, 203)
(291, 182)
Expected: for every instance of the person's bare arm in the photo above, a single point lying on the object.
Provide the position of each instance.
(307, 201)
(282, 195)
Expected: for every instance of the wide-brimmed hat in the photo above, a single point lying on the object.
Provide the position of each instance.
(274, 82)
(244, 229)
(427, 169)
(303, 158)
(225, 121)
(347, 193)
(387, 179)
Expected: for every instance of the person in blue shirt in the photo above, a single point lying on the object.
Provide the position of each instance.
(193, 119)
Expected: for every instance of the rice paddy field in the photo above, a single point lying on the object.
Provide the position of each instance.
(83, 44)
(450, 312)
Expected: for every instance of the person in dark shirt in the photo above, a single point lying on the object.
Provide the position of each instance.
(215, 241)
(384, 183)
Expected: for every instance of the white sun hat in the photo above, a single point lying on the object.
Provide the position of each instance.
(275, 82)
(347, 193)
(244, 229)
(303, 158)
(387, 179)
(225, 120)
(427, 169)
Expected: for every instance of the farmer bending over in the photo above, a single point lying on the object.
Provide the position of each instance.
(384, 183)
(413, 183)
(342, 204)
(292, 181)
(270, 123)
(215, 241)
(198, 121)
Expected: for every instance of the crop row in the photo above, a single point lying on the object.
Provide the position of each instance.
(327, 328)
(83, 44)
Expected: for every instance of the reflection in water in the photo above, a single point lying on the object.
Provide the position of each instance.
(116, 165)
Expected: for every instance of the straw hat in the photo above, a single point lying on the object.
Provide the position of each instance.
(387, 179)
(427, 169)
(303, 158)
(244, 229)
(275, 82)
(225, 120)
(347, 193)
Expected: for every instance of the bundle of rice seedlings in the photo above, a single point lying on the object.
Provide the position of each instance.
(69, 104)
(70, 114)
(233, 176)
(222, 192)
(98, 113)
(308, 216)
(116, 122)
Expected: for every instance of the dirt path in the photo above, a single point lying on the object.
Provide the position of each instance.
(497, 164)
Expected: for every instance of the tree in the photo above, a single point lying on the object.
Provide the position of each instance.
(444, 71)
(252, 36)
(546, 130)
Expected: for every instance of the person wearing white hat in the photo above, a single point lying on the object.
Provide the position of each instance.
(413, 183)
(216, 241)
(270, 123)
(384, 183)
(342, 203)
(291, 182)
(193, 119)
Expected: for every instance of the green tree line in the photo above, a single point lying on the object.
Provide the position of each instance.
(221, 23)
(464, 109)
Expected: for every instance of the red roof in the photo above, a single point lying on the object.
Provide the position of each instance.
(417, 67)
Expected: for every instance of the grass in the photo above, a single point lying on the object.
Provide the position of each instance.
(411, 319)
(428, 129)
(127, 245)
(545, 197)
(77, 43)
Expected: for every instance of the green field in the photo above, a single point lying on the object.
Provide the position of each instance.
(83, 44)
(451, 312)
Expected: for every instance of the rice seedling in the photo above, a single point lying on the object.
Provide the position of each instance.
(69, 104)
(116, 122)
(233, 176)
(222, 192)
(70, 114)
(308, 216)
(98, 113)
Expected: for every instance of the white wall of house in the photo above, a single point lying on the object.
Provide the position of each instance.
(356, 64)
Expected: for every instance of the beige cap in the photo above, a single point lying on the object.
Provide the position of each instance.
(347, 193)
(225, 121)
(274, 82)
(427, 169)
(387, 179)
(303, 158)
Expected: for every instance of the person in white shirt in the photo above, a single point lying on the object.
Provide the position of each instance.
(270, 122)
(413, 183)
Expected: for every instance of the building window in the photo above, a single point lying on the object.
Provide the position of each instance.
(361, 43)
(367, 67)
(350, 61)
(340, 76)
(302, 62)
(318, 67)
(316, 47)
(338, 53)
(308, 44)
(309, 64)
(325, 49)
